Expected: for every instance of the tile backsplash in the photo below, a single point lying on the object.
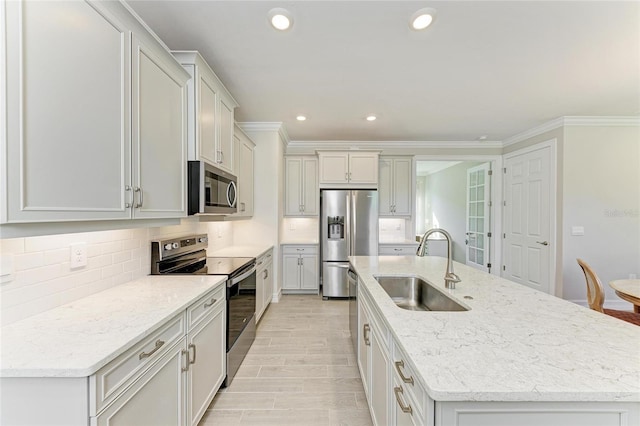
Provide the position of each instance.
(42, 277)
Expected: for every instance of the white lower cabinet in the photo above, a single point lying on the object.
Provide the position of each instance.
(264, 282)
(396, 398)
(300, 269)
(397, 249)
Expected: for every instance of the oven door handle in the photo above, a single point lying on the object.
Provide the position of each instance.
(236, 280)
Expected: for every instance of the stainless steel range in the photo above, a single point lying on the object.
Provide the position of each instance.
(188, 255)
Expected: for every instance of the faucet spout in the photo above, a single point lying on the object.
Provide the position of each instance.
(450, 278)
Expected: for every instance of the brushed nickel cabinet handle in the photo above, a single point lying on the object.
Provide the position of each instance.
(127, 188)
(365, 331)
(192, 346)
(210, 303)
(138, 190)
(144, 355)
(186, 354)
(405, 408)
(399, 366)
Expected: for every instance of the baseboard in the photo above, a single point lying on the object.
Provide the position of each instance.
(620, 305)
(276, 296)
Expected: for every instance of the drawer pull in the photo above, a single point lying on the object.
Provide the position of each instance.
(186, 353)
(366, 329)
(405, 408)
(211, 303)
(399, 366)
(192, 346)
(397, 249)
(159, 344)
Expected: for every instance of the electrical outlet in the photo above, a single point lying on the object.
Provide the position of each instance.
(78, 255)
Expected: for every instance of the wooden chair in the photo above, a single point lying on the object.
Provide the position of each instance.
(595, 296)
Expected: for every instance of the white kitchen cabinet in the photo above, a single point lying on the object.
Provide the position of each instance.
(394, 188)
(244, 148)
(140, 404)
(73, 150)
(301, 186)
(264, 282)
(210, 114)
(300, 269)
(397, 249)
(342, 169)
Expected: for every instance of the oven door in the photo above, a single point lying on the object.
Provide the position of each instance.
(241, 305)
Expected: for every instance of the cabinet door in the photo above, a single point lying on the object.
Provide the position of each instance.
(159, 132)
(245, 179)
(310, 195)
(291, 272)
(402, 194)
(363, 168)
(156, 398)
(268, 285)
(225, 145)
(207, 118)
(207, 356)
(334, 167)
(293, 187)
(364, 345)
(260, 285)
(67, 110)
(379, 381)
(309, 272)
(385, 187)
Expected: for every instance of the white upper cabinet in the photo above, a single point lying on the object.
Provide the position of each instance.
(301, 186)
(244, 148)
(72, 151)
(395, 184)
(211, 114)
(348, 169)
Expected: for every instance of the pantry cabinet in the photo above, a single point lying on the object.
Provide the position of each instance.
(301, 186)
(300, 269)
(394, 188)
(342, 169)
(244, 148)
(210, 114)
(264, 282)
(95, 116)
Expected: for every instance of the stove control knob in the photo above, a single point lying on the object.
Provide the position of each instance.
(175, 245)
(168, 246)
(202, 239)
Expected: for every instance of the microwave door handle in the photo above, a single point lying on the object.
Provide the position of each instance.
(202, 190)
(232, 203)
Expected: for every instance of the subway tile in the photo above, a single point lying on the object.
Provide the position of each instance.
(26, 261)
(12, 245)
(52, 257)
(37, 275)
(122, 256)
(99, 261)
(110, 271)
(111, 247)
(132, 265)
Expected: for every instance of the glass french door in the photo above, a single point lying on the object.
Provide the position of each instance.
(478, 216)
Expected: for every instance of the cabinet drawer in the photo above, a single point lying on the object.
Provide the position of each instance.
(264, 259)
(397, 250)
(407, 377)
(116, 376)
(206, 305)
(302, 249)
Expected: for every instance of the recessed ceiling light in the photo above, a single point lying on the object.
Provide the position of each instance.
(482, 138)
(422, 18)
(371, 117)
(301, 118)
(280, 19)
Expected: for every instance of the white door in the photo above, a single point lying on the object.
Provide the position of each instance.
(478, 224)
(527, 219)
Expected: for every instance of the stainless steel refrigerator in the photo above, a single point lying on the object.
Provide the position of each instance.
(348, 227)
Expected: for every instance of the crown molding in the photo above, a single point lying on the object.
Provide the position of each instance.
(356, 145)
(572, 121)
(267, 126)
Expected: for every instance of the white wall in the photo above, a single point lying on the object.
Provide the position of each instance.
(601, 192)
(42, 277)
(300, 229)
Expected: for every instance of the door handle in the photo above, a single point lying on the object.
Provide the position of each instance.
(544, 243)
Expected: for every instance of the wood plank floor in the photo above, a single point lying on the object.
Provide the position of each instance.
(301, 370)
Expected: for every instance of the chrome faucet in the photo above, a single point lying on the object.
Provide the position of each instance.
(450, 279)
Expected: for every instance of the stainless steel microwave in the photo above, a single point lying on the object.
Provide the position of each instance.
(211, 190)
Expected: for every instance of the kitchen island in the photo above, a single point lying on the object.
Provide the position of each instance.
(517, 354)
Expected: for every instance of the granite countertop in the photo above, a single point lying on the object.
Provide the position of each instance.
(514, 344)
(240, 251)
(77, 339)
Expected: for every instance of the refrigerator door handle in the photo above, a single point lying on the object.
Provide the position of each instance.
(353, 224)
(347, 224)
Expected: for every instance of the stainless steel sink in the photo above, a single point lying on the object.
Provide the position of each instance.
(415, 294)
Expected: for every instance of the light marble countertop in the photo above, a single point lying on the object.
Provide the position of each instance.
(514, 344)
(77, 339)
(240, 251)
(397, 242)
(299, 243)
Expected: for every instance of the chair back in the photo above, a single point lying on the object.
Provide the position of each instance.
(595, 291)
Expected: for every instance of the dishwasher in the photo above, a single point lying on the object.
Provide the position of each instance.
(352, 280)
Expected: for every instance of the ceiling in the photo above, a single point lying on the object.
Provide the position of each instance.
(493, 68)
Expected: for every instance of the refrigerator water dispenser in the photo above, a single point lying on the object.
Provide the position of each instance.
(336, 227)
